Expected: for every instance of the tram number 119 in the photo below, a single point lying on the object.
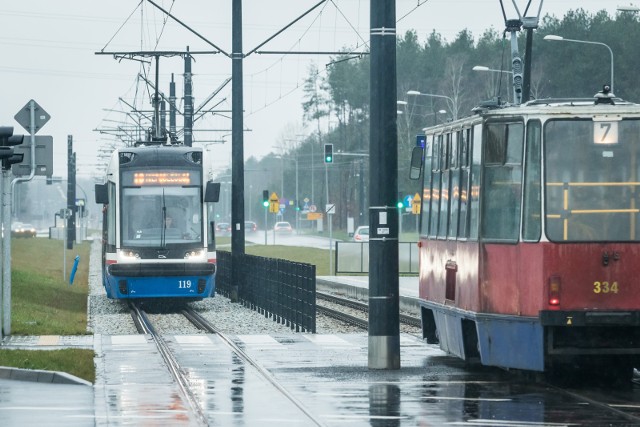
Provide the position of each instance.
(184, 284)
(605, 287)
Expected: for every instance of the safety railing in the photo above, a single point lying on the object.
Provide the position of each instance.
(280, 289)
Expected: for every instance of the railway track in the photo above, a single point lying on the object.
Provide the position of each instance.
(359, 306)
(144, 325)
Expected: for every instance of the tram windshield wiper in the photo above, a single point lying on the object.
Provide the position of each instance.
(163, 228)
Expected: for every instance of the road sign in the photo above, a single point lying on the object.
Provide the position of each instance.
(311, 216)
(313, 208)
(23, 117)
(416, 204)
(330, 208)
(274, 203)
(44, 157)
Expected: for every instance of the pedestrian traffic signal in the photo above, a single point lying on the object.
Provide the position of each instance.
(328, 153)
(265, 198)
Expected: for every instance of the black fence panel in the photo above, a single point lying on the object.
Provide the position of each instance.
(282, 290)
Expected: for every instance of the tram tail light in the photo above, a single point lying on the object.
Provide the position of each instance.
(554, 290)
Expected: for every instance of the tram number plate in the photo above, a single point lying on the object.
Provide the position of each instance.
(605, 287)
(184, 284)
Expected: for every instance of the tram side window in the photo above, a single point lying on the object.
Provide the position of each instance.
(502, 181)
(435, 187)
(444, 187)
(532, 219)
(454, 185)
(111, 215)
(463, 228)
(475, 190)
(426, 187)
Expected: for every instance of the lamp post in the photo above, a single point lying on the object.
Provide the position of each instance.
(629, 8)
(454, 108)
(492, 70)
(551, 37)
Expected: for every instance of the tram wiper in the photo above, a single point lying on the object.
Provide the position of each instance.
(163, 229)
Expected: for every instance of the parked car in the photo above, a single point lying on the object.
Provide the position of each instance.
(19, 229)
(361, 234)
(250, 227)
(282, 227)
(223, 229)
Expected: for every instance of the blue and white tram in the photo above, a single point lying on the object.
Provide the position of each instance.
(157, 241)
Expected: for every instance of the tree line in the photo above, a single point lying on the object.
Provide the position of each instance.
(336, 102)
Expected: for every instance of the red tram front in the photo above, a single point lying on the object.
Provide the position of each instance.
(529, 235)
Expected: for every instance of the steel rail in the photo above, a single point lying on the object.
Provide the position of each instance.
(343, 317)
(404, 318)
(205, 325)
(140, 317)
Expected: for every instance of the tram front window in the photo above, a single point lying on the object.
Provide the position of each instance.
(159, 216)
(591, 186)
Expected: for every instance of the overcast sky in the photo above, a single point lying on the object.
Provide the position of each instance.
(48, 54)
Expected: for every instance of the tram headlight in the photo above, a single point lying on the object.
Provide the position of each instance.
(197, 255)
(129, 255)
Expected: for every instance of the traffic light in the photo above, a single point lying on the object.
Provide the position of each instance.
(328, 153)
(265, 198)
(400, 201)
(7, 140)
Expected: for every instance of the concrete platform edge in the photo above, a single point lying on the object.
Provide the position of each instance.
(41, 376)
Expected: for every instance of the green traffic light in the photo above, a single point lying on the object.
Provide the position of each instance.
(400, 204)
(265, 203)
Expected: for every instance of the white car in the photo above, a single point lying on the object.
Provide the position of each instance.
(361, 234)
(282, 227)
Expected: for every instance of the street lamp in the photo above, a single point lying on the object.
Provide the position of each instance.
(551, 37)
(628, 8)
(453, 104)
(492, 70)
(400, 103)
(483, 68)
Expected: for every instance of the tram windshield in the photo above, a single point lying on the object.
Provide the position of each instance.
(157, 216)
(592, 179)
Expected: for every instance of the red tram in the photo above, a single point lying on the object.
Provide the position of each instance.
(529, 236)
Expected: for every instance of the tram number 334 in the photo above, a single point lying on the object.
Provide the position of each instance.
(186, 284)
(605, 287)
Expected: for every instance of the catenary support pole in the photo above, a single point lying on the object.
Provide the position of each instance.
(237, 152)
(188, 101)
(384, 309)
(1, 254)
(172, 111)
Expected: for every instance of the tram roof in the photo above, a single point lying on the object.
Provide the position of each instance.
(579, 107)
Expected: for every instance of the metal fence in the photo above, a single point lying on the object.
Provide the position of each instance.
(280, 289)
(353, 257)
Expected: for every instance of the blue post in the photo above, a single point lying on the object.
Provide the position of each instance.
(73, 270)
